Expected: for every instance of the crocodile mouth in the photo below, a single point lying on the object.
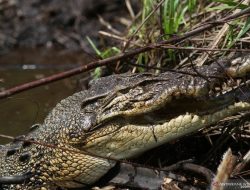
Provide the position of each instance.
(219, 97)
(181, 116)
(198, 106)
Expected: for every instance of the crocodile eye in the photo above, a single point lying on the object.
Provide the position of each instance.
(87, 121)
(24, 157)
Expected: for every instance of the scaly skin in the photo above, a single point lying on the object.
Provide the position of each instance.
(119, 117)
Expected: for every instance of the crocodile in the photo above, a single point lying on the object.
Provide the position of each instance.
(119, 117)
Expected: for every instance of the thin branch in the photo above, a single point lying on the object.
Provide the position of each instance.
(204, 49)
(131, 53)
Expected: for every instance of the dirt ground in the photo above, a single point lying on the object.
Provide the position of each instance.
(55, 23)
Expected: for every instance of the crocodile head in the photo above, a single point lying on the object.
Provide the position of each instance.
(119, 117)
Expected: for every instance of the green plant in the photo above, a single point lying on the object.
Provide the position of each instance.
(111, 51)
(173, 16)
(245, 27)
(237, 28)
(227, 4)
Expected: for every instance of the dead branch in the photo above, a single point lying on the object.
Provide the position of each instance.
(121, 56)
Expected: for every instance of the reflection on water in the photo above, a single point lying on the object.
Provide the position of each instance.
(20, 111)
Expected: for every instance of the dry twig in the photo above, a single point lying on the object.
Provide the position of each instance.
(118, 57)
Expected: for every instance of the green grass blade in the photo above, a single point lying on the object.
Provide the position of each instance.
(93, 46)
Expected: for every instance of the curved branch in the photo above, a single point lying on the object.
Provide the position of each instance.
(131, 53)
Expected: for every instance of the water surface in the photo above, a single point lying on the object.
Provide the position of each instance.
(19, 112)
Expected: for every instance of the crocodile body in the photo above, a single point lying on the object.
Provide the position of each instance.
(119, 117)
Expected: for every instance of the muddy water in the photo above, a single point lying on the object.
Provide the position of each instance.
(20, 111)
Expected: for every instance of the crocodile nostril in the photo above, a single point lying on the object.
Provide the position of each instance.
(24, 157)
